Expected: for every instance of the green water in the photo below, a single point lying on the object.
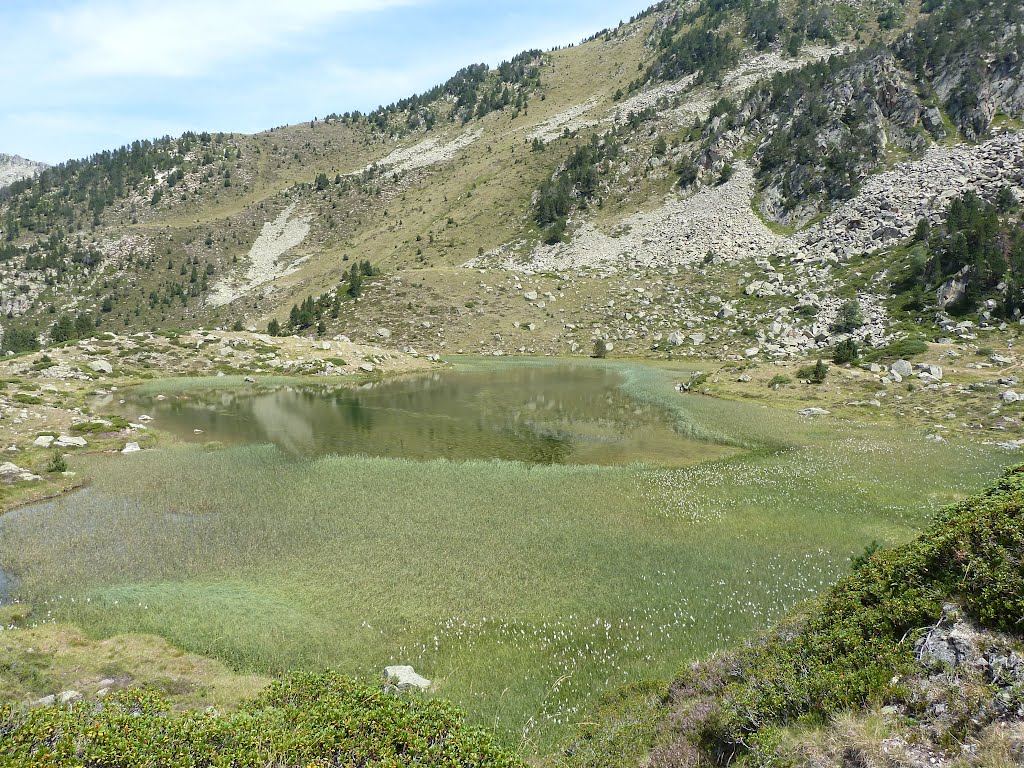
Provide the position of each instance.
(544, 415)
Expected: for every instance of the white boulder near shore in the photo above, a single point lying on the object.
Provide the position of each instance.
(404, 678)
(12, 473)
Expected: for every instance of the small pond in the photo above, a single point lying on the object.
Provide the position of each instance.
(561, 414)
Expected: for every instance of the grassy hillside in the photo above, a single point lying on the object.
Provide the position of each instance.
(161, 234)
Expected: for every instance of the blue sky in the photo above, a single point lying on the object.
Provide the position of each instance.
(86, 75)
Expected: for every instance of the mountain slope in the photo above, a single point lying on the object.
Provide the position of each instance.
(794, 127)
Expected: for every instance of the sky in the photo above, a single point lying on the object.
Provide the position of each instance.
(80, 76)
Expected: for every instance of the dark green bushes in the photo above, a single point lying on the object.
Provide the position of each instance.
(19, 340)
(702, 50)
(816, 374)
(846, 351)
(306, 719)
(977, 236)
(898, 350)
(851, 647)
(576, 184)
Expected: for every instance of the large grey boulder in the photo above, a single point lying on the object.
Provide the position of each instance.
(676, 338)
(931, 118)
(12, 473)
(101, 366)
(903, 368)
(954, 289)
(814, 412)
(69, 441)
(404, 678)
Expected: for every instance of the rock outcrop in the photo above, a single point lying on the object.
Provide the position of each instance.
(15, 168)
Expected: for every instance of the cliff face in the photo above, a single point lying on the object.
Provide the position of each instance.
(15, 168)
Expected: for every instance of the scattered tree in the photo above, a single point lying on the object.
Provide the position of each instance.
(846, 352)
(849, 319)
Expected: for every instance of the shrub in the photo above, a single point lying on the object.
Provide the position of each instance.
(845, 352)
(57, 463)
(688, 172)
(904, 349)
(305, 719)
(600, 348)
(813, 373)
(19, 340)
(555, 234)
(779, 380)
(850, 318)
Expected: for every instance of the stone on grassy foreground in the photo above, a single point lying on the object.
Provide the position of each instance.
(404, 678)
(12, 473)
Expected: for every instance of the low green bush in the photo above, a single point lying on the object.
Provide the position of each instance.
(852, 646)
(904, 349)
(57, 463)
(305, 719)
(109, 424)
(815, 374)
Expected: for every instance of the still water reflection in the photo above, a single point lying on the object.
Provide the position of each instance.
(547, 415)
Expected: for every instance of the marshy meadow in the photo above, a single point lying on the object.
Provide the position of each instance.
(566, 529)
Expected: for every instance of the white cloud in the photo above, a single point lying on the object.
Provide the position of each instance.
(184, 38)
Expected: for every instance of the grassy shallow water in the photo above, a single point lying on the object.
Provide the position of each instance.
(522, 589)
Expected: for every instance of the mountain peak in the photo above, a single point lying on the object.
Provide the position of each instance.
(15, 168)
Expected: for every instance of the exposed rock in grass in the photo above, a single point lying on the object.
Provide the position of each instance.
(425, 154)
(275, 240)
(71, 441)
(12, 473)
(405, 678)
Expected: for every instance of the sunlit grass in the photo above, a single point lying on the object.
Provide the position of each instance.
(522, 590)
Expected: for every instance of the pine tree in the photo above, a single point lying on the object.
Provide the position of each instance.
(820, 372)
(63, 330)
(355, 282)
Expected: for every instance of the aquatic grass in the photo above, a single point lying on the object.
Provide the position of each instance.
(523, 590)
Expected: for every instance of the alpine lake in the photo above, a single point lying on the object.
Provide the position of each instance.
(526, 533)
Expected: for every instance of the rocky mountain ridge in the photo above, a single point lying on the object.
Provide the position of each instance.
(15, 168)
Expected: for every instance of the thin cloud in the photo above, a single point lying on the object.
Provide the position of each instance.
(187, 38)
(87, 75)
